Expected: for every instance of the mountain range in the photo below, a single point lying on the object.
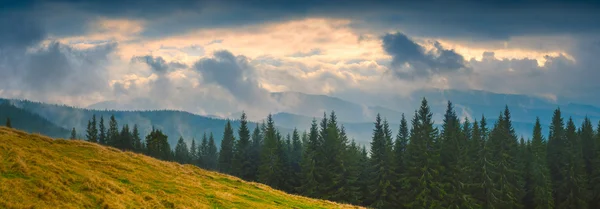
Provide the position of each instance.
(299, 109)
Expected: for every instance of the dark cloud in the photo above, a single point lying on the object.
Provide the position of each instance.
(411, 60)
(158, 64)
(475, 19)
(234, 74)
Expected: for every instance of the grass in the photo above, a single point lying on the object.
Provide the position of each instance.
(40, 172)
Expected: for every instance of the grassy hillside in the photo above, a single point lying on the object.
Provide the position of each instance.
(39, 172)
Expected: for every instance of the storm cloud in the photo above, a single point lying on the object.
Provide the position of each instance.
(158, 64)
(411, 60)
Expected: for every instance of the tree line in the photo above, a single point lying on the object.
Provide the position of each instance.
(463, 165)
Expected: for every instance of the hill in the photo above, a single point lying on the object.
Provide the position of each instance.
(39, 172)
(30, 122)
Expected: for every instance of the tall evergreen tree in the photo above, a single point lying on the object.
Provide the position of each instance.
(332, 152)
(271, 167)
(309, 162)
(157, 145)
(138, 146)
(226, 151)
(453, 157)
(101, 131)
(242, 162)
(349, 190)
(382, 165)
(573, 186)
(125, 139)
(556, 156)
(541, 188)
(595, 176)
(73, 133)
(194, 153)
(507, 187)
(400, 160)
(92, 131)
(212, 154)
(588, 144)
(203, 152)
(255, 153)
(182, 153)
(112, 136)
(8, 124)
(422, 180)
(295, 161)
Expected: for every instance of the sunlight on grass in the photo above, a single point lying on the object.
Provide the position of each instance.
(39, 172)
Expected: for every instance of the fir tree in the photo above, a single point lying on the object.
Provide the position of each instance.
(92, 131)
(125, 139)
(212, 155)
(138, 146)
(194, 153)
(309, 162)
(541, 188)
(573, 186)
(73, 133)
(295, 161)
(332, 169)
(102, 131)
(8, 124)
(382, 166)
(595, 176)
(588, 144)
(112, 136)
(400, 161)
(157, 145)
(203, 152)
(182, 153)
(422, 180)
(255, 153)
(226, 151)
(242, 162)
(556, 156)
(271, 167)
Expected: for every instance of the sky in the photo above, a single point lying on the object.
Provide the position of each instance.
(221, 57)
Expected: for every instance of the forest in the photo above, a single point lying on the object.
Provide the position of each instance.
(464, 164)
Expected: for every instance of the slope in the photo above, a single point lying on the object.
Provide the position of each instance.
(30, 122)
(38, 171)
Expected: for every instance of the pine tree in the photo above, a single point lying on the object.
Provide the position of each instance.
(284, 147)
(102, 131)
(588, 144)
(556, 156)
(203, 152)
(271, 167)
(255, 153)
(453, 157)
(73, 133)
(422, 180)
(573, 186)
(595, 176)
(309, 162)
(138, 146)
(242, 162)
(226, 151)
(157, 145)
(507, 187)
(332, 153)
(182, 153)
(194, 153)
(8, 124)
(400, 160)
(382, 165)
(112, 136)
(92, 131)
(349, 179)
(212, 154)
(364, 178)
(125, 139)
(295, 161)
(540, 174)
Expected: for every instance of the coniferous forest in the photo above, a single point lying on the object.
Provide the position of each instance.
(466, 164)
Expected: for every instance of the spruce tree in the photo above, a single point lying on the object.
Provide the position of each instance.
(573, 186)
(138, 146)
(400, 160)
(212, 154)
(453, 157)
(595, 176)
(73, 133)
(101, 131)
(113, 132)
(226, 151)
(332, 152)
(203, 152)
(295, 161)
(194, 153)
(8, 124)
(588, 144)
(125, 139)
(556, 156)
(271, 167)
(364, 176)
(349, 191)
(182, 154)
(157, 145)
(92, 131)
(541, 188)
(382, 166)
(242, 162)
(422, 180)
(309, 161)
(255, 153)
